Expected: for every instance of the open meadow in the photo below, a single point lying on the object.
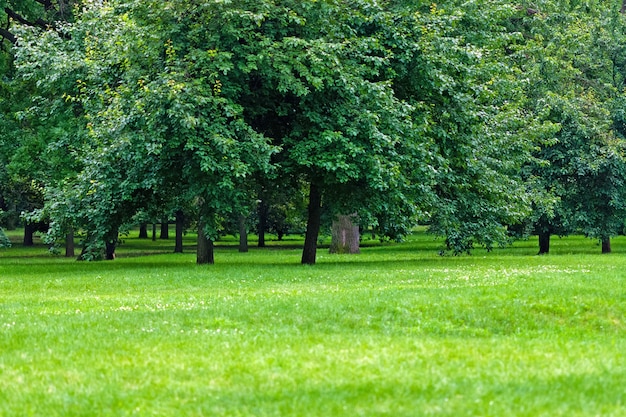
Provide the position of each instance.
(395, 331)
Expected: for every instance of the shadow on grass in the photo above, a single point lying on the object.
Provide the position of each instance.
(419, 251)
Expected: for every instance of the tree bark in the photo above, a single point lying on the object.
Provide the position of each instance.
(314, 219)
(109, 252)
(165, 232)
(606, 245)
(263, 213)
(8, 36)
(345, 235)
(110, 244)
(204, 253)
(243, 234)
(69, 244)
(143, 231)
(153, 232)
(544, 243)
(29, 231)
(21, 19)
(180, 228)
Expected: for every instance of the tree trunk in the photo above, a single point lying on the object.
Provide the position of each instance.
(180, 228)
(165, 233)
(606, 245)
(153, 232)
(345, 235)
(204, 253)
(109, 253)
(83, 253)
(69, 244)
(312, 226)
(243, 234)
(143, 231)
(29, 231)
(544, 243)
(109, 245)
(263, 213)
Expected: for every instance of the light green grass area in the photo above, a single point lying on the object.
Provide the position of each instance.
(394, 331)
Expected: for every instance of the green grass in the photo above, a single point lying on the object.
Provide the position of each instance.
(394, 331)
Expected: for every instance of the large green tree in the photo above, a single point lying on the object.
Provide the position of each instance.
(32, 127)
(161, 119)
(574, 59)
(324, 92)
(454, 69)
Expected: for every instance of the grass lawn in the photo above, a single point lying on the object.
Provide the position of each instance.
(394, 331)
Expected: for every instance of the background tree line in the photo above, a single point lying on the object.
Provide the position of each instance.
(485, 120)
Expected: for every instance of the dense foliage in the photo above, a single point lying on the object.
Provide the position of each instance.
(479, 119)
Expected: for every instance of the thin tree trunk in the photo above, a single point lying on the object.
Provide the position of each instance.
(243, 234)
(154, 232)
(29, 231)
(313, 224)
(69, 244)
(204, 253)
(544, 243)
(143, 231)
(606, 245)
(165, 233)
(263, 212)
(180, 228)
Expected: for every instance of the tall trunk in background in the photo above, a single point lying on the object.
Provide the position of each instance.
(180, 228)
(204, 253)
(69, 244)
(544, 243)
(313, 224)
(165, 233)
(154, 231)
(29, 231)
(243, 234)
(143, 231)
(263, 213)
(110, 243)
(606, 245)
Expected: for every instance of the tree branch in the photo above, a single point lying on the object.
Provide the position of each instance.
(8, 36)
(15, 16)
(47, 4)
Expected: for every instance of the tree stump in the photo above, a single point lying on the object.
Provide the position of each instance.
(345, 235)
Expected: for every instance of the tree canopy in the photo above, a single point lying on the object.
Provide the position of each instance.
(472, 118)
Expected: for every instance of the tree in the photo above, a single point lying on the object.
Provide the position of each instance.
(323, 93)
(36, 130)
(452, 66)
(157, 118)
(574, 61)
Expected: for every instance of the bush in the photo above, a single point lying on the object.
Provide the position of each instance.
(4, 240)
